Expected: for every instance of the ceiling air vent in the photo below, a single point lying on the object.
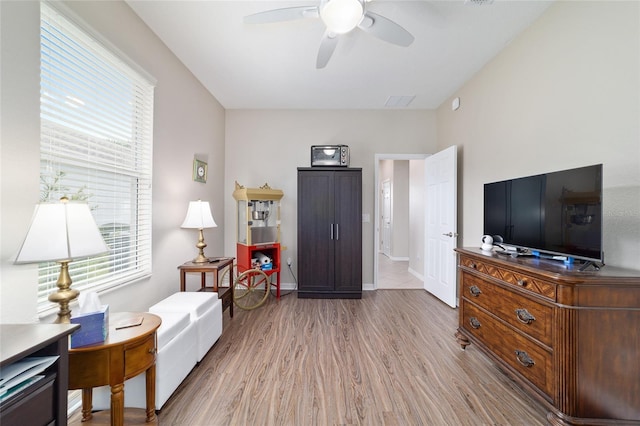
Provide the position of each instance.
(478, 2)
(399, 101)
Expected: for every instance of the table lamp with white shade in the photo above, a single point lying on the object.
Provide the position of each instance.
(199, 217)
(61, 232)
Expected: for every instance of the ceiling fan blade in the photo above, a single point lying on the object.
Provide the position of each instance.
(327, 46)
(385, 29)
(280, 15)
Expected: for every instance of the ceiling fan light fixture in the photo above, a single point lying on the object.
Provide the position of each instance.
(342, 16)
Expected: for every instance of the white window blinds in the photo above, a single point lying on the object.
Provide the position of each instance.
(96, 127)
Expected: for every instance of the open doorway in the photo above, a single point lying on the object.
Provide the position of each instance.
(399, 221)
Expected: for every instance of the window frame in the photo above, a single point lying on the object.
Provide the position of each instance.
(113, 162)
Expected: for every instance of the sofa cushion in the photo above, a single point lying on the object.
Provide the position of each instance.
(172, 324)
(206, 313)
(197, 303)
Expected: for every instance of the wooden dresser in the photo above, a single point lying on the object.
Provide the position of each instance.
(569, 338)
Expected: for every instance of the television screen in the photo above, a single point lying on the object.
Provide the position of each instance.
(558, 213)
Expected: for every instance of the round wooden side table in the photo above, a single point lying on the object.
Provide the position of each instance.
(125, 353)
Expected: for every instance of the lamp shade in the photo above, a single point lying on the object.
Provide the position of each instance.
(199, 216)
(61, 231)
(341, 16)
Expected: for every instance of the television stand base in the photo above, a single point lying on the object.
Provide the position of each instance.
(588, 263)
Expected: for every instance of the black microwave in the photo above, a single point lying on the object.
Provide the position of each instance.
(330, 155)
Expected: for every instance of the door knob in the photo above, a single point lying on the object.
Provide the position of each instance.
(451, 234)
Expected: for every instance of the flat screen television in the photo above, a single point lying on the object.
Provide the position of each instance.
(557, 213)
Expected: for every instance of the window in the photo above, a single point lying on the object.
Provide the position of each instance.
(96, 115)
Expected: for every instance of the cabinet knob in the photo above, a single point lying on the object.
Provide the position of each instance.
(474, 322)
(524, 358)
(522, 282)
(524, 316)
(475, 291)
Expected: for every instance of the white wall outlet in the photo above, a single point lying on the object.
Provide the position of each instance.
(289, 261)
(366, 218)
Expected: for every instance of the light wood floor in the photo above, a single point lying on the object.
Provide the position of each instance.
(394, 274)
(387, 359)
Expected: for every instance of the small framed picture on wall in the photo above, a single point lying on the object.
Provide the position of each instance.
(199, 171)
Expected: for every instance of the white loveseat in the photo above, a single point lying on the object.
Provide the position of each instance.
(206, 313)
(191, 324)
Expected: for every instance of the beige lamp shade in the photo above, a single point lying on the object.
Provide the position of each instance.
(61, 231)
(199, 216)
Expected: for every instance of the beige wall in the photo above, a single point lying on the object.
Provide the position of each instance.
(188, 121)
(268, 146)
(564, 94)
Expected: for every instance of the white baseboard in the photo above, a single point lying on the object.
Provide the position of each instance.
(74, 401)
(287, 286)
(367, 287)
(416, 274)
(399, 259)
(292, 286)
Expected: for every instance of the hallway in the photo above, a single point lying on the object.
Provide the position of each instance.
(395, 274)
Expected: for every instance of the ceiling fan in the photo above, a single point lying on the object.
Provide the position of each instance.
(339, 17)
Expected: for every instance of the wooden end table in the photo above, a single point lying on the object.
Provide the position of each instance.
(214, 266)
(125, 353)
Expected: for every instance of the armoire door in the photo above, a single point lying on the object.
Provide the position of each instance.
(315, 221)
(348, 238)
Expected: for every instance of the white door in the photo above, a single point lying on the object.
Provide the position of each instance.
(386, 218)
(441, 225)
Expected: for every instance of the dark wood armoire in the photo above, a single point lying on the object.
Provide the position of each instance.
(329, 232)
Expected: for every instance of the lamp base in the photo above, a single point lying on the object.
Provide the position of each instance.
(201, 258)
(64, 295)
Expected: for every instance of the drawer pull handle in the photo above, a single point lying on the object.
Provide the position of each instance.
(522, 282)
(473, 265)
(152, 350)
(475, 291)
(524, 359)
(473, 321)
(524, 316)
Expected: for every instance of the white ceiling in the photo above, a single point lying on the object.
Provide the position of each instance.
(272, 66)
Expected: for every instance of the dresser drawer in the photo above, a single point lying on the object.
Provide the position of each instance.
(140, 357)
(528, 316)
(520, 280)
(529, 359)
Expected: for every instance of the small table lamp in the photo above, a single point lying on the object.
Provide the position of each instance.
(60, 232)
(199, 217)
